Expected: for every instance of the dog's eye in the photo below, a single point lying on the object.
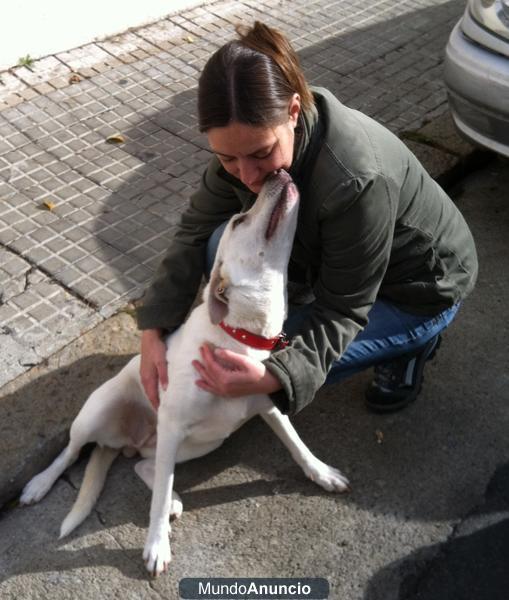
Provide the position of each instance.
(238, 220)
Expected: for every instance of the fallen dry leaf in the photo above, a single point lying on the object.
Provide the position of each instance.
(74, 78)
(48, 205)
(116, 138)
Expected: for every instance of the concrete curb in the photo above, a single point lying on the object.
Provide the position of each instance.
(446, 156)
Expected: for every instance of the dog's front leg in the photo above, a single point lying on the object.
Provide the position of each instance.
(327, 477)
(157, 552)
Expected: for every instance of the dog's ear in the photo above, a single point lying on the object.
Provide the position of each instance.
(217, 300)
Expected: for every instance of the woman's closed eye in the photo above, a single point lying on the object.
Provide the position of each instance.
(265, 153)
(261, 155)
(225, 159)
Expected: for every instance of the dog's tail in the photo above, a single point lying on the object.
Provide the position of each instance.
(93, 482)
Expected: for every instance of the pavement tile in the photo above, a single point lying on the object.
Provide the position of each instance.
(107, 286)
(168, 152)
(12, 140)
(58, 248)
(38, 317)
(105, 165)
(164, 34)
(29, 184)
(11, 88)
(179, 116)
(84, 57)
(13, 270)
(123, 120)
(68, 259)
(123, 44)
(213, 26)
(165, 69)
(42, 70)
(28, 94)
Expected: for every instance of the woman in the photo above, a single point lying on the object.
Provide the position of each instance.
(386, 253)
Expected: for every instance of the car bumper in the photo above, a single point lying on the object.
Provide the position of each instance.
(477, 82)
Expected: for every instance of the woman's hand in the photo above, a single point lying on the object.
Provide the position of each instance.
(230, 375)
(153, 368)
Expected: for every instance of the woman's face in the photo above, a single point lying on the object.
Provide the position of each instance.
(251, 153)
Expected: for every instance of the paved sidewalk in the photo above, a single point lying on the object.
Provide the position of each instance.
(83, 225)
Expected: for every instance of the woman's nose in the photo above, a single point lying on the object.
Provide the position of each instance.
(248, 172)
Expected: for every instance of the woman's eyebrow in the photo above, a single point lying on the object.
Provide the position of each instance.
(221, 154)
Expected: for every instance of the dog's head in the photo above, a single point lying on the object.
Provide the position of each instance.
(249, 273)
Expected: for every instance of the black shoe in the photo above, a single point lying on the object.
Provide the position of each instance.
(398, 382)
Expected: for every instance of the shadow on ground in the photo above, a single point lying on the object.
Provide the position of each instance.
(471, 564)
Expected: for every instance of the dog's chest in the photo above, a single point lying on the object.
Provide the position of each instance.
(218, 420)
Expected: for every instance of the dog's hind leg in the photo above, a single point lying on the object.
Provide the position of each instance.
(40, 485)
(145, 469)
(327, 477)
(98, 420)
(93, 482)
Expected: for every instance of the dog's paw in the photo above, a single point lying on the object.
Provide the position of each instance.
(157, 555)
(35, 489)
(177, 507)
(329, 478)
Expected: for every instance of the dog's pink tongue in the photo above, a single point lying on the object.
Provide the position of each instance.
(287, 199)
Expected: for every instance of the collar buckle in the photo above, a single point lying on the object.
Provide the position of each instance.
(282, 341)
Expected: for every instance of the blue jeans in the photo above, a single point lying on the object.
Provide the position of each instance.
(390, 332)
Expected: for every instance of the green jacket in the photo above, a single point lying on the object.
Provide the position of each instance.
(372, 223)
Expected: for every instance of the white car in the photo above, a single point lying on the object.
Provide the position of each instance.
(477, 74)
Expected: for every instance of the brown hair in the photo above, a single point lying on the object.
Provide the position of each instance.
(251, 81)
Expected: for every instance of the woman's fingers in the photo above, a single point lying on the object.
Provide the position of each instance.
(154, 367)
(202, 371)
(162, 371)
(150, 384)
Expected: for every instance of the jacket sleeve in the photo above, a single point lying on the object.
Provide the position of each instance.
(168, 299)
(356, 236)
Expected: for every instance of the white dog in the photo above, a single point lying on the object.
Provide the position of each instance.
(244, 306)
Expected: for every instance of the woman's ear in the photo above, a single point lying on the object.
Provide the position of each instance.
(294, 109)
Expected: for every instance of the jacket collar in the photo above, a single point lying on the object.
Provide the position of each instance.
(307, 139)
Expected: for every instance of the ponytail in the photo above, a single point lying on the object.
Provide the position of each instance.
(275, 45)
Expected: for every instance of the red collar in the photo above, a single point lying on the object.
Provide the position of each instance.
(256, 341)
